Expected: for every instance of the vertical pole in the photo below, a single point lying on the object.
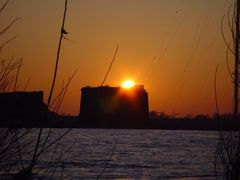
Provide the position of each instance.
(236, 71)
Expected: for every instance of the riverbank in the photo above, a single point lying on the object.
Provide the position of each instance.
(200, 123)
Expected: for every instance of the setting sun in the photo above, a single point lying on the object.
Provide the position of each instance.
(128, 84)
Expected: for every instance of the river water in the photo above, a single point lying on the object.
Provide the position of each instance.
(137, 154)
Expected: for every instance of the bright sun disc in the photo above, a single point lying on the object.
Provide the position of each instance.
(128, 84)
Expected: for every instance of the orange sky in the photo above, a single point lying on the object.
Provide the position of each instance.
(172, 47)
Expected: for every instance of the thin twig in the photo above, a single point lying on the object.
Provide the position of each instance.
(56, 140)
(224, 38)
(65, 90)
(104, 168)
(230, 21)
(18, 70)
(35, 155)
(9, 40)
(58, 53)
(113, 59)
(26, 85)
(215, 89)
(8, 26)
(4, 6)
(18, 149)
(227, 62)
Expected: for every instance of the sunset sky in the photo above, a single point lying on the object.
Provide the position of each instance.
(172, 47)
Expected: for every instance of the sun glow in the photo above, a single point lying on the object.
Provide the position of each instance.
(128, 84)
